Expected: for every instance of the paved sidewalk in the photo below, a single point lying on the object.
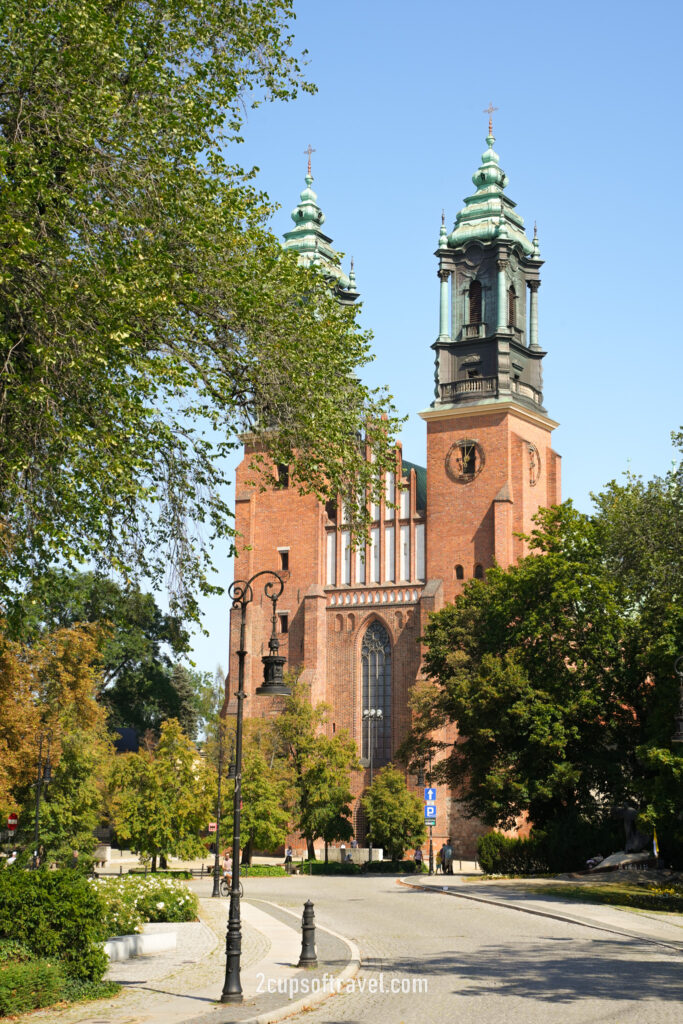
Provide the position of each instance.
(185, 985)
(660, 928)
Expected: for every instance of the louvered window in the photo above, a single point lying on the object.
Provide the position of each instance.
(475, 302)
(512, 307)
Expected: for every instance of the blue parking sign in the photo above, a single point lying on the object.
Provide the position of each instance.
(430, 811)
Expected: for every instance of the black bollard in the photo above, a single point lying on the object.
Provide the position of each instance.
(308, 956)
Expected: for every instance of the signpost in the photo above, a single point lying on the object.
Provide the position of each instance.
(12, 822)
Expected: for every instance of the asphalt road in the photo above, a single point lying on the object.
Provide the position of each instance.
(430, 957)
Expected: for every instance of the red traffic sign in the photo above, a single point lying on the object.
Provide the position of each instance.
(12, 822)
(213, 826)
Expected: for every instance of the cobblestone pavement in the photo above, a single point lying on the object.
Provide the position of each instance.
(458, 960)
(153, 983)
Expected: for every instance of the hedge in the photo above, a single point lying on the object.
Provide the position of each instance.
(30, 985)
(55, 914)
(261, 870)
(562, 845)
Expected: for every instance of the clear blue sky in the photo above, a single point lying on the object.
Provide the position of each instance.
(589, 133)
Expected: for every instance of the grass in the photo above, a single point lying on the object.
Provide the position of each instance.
(667, 898)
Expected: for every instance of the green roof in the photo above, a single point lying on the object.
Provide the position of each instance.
(421, 482)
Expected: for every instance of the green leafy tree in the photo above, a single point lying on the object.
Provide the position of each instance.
(141, 685)
(536, 665)
(163, 799)
(320, 768)
(640, 524)
(395, 815)
(147, 316)
(264, 819)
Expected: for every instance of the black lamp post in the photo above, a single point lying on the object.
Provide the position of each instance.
(678, 735)
(241, 593)
(44, 777)
(216, 856)
(372, 716)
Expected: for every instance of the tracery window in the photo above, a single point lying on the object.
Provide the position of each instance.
(376, 693)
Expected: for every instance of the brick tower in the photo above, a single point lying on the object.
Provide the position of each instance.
(350, 620)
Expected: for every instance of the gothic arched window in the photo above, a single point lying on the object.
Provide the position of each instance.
(376, 696)
(459, 572)
(478, 572)
(512, 307)
(475, 302)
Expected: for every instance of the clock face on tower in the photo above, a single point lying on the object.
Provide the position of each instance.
(465, 460)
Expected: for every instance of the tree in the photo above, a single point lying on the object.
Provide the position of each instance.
(320, 766)
(395, 815)
(536, 665)
(147, 317)
(141, 685)
(50, 688)
(163, 799)
(264, 820)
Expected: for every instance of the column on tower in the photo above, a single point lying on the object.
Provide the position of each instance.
(444, 277)
(533, 313)
(501, 264)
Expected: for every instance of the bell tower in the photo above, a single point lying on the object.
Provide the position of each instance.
(490, 465)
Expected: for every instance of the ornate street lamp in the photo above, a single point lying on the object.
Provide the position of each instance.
(241, 593)
(44, 777)
(372, 716)
(678, 734)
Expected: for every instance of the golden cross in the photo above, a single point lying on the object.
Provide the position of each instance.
(489, 110)
(307, 152)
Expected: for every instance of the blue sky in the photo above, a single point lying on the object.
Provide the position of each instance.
(589, 133)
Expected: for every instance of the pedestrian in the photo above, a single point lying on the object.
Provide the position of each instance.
(73, 863)
(288, 859)
(448, 858)
(227, 867)
(418, 858)
(12, 857)
(354, 843)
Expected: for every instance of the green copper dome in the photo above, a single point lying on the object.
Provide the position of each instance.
(314, 247)
(489, 214)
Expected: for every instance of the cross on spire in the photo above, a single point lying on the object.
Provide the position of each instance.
(489, 110)
(307, 152)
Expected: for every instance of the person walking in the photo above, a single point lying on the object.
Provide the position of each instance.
(418, 858)
(448, 858)
(227, 867)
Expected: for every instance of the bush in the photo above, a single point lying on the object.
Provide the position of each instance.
(562, 845)
(16, 952)
(30, 984)
(180, 873)
(319, 867)
(129, 901)
(55, 914)
(394, 867)
(262, 870)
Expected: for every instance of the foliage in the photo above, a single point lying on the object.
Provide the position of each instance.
(395, 815)
(55, 914)
(652, 896)
(536, 666)
(315, 867)
(130, 902)
(264, 820)
(49, 688)
(262, 870)
(320, 767)
(163, 799)
(390, 867)
(27, 986)
(147, 317)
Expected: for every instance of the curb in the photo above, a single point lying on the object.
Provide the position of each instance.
(539, 913)
(315, 998)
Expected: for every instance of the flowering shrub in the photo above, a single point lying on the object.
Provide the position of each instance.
(132, 901)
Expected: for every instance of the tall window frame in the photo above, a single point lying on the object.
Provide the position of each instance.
(376, 684)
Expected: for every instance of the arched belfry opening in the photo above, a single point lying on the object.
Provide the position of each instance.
(376, 681)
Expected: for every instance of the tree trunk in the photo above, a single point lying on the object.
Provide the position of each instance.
(247, 851)
(154, 862)
(326, 848)
(163, 863)
(310, 848)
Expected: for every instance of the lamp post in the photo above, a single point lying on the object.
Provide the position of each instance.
(44, 776)
(372, 716)
(241, 592)
(678, 734)
(216, 858)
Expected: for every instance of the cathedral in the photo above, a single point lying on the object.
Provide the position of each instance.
(353, 620)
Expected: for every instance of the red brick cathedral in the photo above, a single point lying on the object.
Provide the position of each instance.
(353, 623)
